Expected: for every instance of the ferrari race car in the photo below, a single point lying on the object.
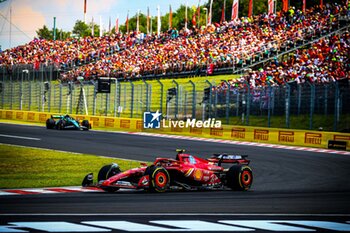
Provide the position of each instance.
(66, 122)
(186, 172)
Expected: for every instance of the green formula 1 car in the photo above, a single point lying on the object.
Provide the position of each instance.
(66, 122)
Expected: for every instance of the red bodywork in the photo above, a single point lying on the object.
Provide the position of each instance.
(186, 171)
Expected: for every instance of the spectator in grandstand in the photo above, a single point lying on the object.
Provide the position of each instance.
(216, 45)
(233, 43)
(325, 61)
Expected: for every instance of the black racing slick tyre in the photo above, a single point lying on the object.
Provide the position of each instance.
(159, 179)
(86, 124)
(239, 177)
(106, 172)
(61, 125)
(50, 123)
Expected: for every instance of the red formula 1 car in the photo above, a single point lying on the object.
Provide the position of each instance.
(186, 172)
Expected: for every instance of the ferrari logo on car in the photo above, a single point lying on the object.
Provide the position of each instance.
(198, 174)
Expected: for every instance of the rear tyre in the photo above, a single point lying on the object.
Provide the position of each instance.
(61, 125)
(159, 179)
(106, 172)
(86, 124)
(50, 123)
(239, 177)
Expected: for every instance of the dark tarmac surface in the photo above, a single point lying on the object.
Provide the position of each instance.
(288, 184)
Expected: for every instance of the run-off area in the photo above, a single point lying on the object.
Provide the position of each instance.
(178, 223)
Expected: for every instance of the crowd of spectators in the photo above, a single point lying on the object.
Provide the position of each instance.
(59, 52)
(136, 54)
(325, 61)
(228, 44)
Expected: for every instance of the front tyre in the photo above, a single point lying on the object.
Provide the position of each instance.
(239, 177)
(159, 179)
(106, 172)
(61, 125)
(86, 124)
(50, 123)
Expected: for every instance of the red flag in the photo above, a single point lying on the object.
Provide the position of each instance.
(304, 6)
(211, 12)
(186, 16)
(199, 13)
(271, 6)
(235, 5)
(222, 15)
(285, 5)
(194, 22)
(84, 6)
(321, 3)
(250, 9)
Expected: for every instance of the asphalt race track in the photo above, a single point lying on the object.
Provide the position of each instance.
(292, 190)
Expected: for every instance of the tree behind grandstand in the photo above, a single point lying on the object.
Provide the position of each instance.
(45, 33)
(178, 18)
(82, 29)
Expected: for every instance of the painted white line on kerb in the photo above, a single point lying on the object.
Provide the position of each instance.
(181, 226)
(57, 226)
(19, 137)
(54, 190)
(7, 193)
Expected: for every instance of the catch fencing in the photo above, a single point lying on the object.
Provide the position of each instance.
(298, 106)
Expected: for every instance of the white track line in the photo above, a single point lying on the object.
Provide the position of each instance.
(19, 137)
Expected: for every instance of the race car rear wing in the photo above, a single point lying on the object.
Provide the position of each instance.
(226, 158)
(56, 116)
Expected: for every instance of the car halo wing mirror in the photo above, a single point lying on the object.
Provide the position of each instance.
(179, 151)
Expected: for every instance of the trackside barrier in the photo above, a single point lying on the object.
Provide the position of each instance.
(127, 124)
(308, 138)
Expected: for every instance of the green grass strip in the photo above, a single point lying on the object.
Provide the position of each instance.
(26, 167)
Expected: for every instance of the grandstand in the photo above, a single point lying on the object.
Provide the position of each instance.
(274, 54)
(135, 56)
